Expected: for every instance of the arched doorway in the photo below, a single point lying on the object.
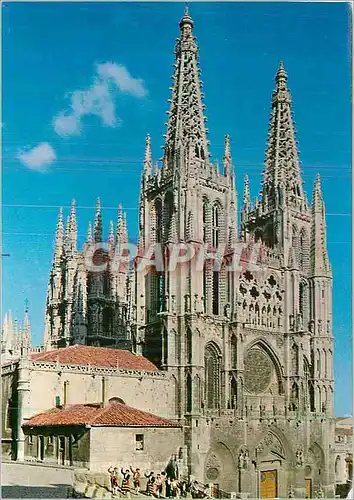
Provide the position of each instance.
(220, 468)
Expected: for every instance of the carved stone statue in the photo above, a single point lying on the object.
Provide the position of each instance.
(227, 310)
(299, 458)
(319, 326)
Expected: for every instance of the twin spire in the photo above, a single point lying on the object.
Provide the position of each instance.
(186, 132)
(282, 182)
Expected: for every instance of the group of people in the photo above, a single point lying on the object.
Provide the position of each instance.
(161, 485)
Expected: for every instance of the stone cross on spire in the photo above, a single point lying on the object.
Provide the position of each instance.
(282, 183)
(186, 123)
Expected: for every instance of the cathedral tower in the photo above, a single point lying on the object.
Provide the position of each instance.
(248, 348)
(87, 296)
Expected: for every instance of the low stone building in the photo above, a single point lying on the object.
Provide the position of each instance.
(97, 437)
(83, 375)
(343, 452)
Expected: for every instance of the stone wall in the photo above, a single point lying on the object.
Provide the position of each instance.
(147, 392)
(9, 411)
(117, 447)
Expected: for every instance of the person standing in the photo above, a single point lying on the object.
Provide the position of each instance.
(136, 479)
(126, 482)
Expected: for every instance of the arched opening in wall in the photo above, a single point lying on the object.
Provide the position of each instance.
(311, 396)
(303, 250)
(337, 467)
(294, 405)
(205, 220)
(295, 359)
(233, 353)
(318, 357)
(258, 314)
(215, 225)
(189, 345)
(324, 363)
(229, 286)
(167, 213)
(205, 288)
(176, 395)
(158, 220)
(216, 276)
(107, 321)
(233, 393)
(324, 400)
(196, 392)
(188, 393)
(211, 376)
(165, 345)
(161, 292)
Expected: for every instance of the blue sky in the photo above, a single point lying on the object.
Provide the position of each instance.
(55, 64)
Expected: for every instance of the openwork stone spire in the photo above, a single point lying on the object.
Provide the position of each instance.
(319, 256)
(89, 234)
(59, 237)
(282, 184)
(98, 223)
(227, 156)
(111, 240)
(186, 123)
(246, 203)
(148, 157)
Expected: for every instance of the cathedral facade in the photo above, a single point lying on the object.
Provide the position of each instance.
(242, 324)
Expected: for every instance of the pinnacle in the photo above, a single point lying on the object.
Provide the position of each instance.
(281, 73)
(246, 194)
(186, 19)
(98, 222)
(317, 199)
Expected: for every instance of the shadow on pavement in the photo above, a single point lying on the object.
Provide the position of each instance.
(20, 491)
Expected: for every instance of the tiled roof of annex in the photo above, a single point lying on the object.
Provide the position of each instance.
(114, 414)
(96, 356)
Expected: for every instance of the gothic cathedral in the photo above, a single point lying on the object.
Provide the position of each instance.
(249, 349)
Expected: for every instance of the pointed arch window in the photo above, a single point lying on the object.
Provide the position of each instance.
(233, 393)
(189, 345)
(233, 353)
(188, 393)
(167, 213)
(158, 221)
(216, 225)
(205, 219)
(212, 376)
(216, 276)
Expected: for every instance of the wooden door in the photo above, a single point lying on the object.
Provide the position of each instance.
(268, 484)
(308, 487)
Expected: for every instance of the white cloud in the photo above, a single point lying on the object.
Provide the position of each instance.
(38, 158)
(98, 100)
(122, 79)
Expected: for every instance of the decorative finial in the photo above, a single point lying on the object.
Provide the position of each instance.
(281, 73)
(26, 306)
(186, 19)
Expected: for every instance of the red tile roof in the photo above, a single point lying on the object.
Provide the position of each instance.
(114, 414)
(96, 356)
